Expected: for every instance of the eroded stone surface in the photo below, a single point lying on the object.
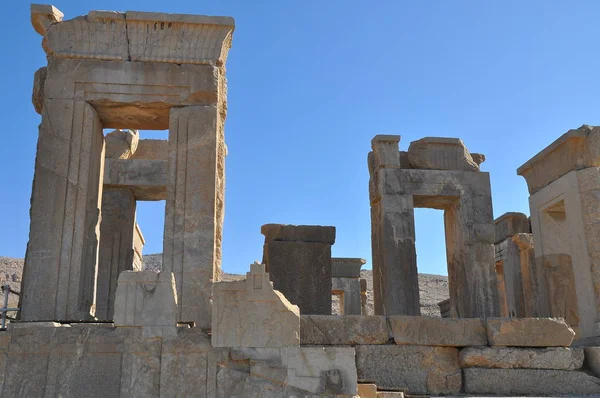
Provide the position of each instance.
(343, 330)
(423, 330)
(559, 358)
(529, 382)
(592, 359)
(436, 153)
(419, 369)
(298, 233)
(529, 332)
(346, 267)
(250, 313)
(121, 144)
(145, 298)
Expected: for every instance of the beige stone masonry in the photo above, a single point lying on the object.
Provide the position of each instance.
(135, 36)
(251, 313)
(529, 332)
(576, 149)
(424, 330)
(532, 382)
(343, 329)
(436, 153)
(145, 298)
(559, 358)
(418, 369)
(147, 179)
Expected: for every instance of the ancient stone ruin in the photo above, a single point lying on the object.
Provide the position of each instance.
(524, 309)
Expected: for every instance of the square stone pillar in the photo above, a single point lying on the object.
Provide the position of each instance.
(564, 184)
(529, 278)
(59, 276)
(298, 259)
(117, 253)
(194, 208)
(364, 298)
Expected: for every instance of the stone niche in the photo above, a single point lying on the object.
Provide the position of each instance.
(132, 70)
(564, 183)
(438, 173)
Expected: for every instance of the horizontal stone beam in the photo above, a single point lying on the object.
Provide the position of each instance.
(146, 178)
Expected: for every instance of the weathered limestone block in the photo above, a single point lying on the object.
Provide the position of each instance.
(121, 144)
(37, 96)
(367, 390)
(145, 298)
(251, 314)
(529, 332)
(298, 259)
(298, 233)
(138, 247)
(510, 224)
(592, 359)
(445, 308)
(436, 153)
(385, 152)
(109, 87)
(292, 371)
(323, 370)
(43, 15)
(189, 364)
(116, 252)
(346, 267)
(174, 38)
(509, 382)
(574, 150)
(529, 277)
(390, 394)
(194, 208)
(147, 179)
(419, 369)
(59, 275)
(343, 330)
(349, 291)
(152, 150)
(558, 358)
(99, 35)
(364, 298)
(424, 330)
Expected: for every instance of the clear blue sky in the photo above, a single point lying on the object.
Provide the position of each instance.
(311, 82)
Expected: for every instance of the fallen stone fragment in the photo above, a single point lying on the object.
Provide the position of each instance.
(529, 332)
(501, 382)
(423, 330)
(558, 358)
(343, 330)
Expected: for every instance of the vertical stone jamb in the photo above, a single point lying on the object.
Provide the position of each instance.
(116, 246)
(194, 209)
(395, 277)
(60, 270)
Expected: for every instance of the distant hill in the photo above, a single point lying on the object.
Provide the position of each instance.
(433, 288)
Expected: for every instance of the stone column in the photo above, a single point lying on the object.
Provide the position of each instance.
(116, 246)
(395, 276)
(194, 208)
(59, 275)
(298, 259)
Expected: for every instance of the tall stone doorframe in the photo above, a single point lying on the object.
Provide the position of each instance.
(437, 173)
(564, 184)
(132, 70)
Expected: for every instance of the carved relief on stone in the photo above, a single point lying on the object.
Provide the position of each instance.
(562, 295)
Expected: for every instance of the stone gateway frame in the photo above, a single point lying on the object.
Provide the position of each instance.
(451, 183)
